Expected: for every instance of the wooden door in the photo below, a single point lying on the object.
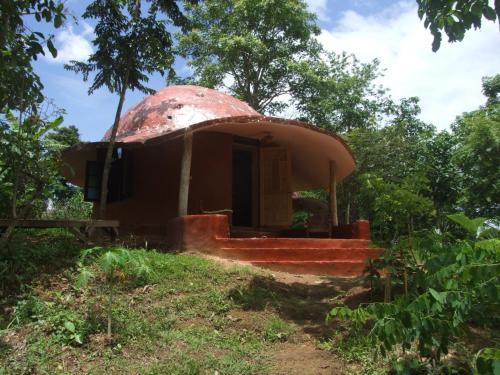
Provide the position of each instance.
(275, 187)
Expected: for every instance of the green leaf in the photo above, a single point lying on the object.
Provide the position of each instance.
(58, 21)
(440, 297)
(470, 225)
(489, 13)
(78, 338)
(477, 8)
(491, 244)
(69, 326)
(52, 49)
(84, 277)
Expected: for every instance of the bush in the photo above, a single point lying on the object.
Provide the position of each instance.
(65, 325)
(451, 284)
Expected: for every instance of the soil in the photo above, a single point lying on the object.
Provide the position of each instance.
(300, 355)
(300, 359)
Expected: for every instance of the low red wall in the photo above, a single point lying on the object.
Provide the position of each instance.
(358, 230)
(197, 232)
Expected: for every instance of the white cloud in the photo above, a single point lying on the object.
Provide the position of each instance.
(320, 8)
(72, 45)
(448, 82)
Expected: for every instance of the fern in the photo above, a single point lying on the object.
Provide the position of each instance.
(117, 265)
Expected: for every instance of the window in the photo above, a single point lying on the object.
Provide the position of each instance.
(120, 178)
(93, 178)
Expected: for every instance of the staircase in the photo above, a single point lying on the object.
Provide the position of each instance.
(335, 257)
(317, 256)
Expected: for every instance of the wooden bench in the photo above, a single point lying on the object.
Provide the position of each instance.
(82, 229)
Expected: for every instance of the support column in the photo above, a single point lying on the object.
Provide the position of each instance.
(333, 195)
(185, 173)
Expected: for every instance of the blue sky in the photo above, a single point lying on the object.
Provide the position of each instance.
(448, 82)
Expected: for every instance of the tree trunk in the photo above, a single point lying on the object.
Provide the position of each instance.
(388, 288)
(333, 195)
(111, 145)
(110, 313)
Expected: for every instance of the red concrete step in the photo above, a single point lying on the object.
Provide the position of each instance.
(330, 268)
(289, 243)
(299, 254)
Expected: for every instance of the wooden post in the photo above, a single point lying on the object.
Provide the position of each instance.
(185, 173)
(333, 195)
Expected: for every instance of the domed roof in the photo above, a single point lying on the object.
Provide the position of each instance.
(177, 107)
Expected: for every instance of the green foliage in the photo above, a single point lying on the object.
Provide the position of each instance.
(488, 362)
(395, 207)
(249, 47)
(66, 326)
(130, 45)
(28, 170)
(73, 207)
(20, 86)
(357, 349)
(451, 283)
(454, 17)
(35, 253)
(477, 157)
(300, 219)
(116, 265)
(277, 330)
(491, 88)
(338, 93)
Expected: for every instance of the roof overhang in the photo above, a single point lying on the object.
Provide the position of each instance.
(312, 148)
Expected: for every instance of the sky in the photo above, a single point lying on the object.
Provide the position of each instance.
(447, 82)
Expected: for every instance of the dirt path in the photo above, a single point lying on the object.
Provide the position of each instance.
(304, 300)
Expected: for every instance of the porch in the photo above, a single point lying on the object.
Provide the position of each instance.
(211, 234)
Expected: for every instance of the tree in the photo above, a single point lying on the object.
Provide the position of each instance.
(443, 175)
(338, 93)
(491, 89)
(477, 154)
(455, 17)
(27, 169)
(116, 265)
(477, 158)
(249, 46)
(130, 44)
(57, 141)
(20, 86)
(390, 160)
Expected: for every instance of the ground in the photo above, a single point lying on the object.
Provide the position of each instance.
(191, 315)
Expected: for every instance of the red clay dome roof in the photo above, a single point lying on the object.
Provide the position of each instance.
(177, 107)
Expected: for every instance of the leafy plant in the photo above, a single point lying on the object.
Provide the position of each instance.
(66, 326)
(130, 43)
(488, 362)
(455, 17)
(300, 219)
(115, 265)
(277, 330)
(27, 168)
(454, 282)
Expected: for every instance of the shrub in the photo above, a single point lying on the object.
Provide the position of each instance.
(451, 284)
(116, 265)
(66, 326)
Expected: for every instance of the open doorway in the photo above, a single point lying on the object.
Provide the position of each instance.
(242, 187)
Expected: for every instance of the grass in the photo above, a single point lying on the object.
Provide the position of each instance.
(176, 320)
(189, 315)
